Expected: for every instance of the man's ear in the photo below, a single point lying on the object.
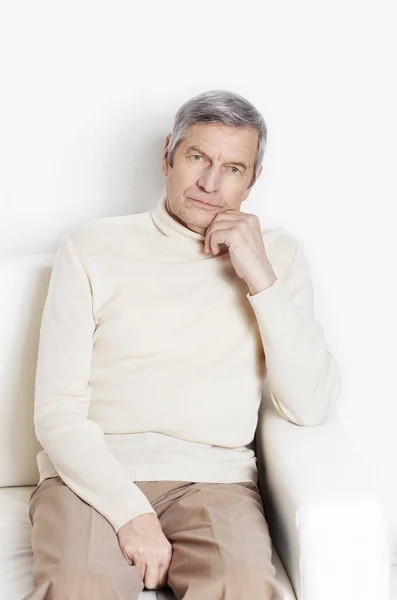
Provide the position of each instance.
(165, 166)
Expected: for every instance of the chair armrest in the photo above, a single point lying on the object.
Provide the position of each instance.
(327, 523)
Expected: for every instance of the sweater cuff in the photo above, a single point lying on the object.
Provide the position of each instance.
(274, 313)
(126, 512)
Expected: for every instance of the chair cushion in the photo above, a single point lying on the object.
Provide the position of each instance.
(16, 555)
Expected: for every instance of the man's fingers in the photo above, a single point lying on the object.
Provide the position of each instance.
(141, 570)
(151, 576)
(230, 220)
(163, 572)
(218, 237)
(211, 229)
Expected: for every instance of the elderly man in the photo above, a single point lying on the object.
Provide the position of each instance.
(158, 331)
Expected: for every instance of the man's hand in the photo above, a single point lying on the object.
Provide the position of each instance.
(241, 232)
(144, 545)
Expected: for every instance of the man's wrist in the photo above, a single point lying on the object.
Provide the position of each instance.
(262, 283)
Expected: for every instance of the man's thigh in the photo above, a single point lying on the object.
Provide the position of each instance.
(221, 543)
(76, 547)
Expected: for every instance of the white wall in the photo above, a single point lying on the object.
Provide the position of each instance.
(89, 91)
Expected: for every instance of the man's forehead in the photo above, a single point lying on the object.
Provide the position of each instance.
(234, 143)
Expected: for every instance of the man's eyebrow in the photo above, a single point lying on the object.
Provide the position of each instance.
(199, 151)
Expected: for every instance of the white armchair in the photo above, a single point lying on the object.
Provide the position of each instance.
(327, 524)
(326, 521)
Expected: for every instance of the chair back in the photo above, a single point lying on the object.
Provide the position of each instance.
(25, 280)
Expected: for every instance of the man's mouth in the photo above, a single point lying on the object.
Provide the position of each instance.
(203, 203)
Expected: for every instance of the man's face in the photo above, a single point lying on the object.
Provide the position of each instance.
(215, 164)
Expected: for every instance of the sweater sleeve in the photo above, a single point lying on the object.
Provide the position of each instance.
(304, 377)
(75, 443)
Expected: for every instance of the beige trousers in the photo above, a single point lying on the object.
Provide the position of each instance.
(218, 532)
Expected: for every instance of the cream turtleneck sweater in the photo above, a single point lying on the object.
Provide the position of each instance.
(152, 359)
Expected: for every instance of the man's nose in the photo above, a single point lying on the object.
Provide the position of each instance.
(210, 179)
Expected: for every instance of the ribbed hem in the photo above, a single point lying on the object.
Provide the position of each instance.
(151, 472)
(124, 511)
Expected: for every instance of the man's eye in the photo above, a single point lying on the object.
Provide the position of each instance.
(197, 155)
(237, 170)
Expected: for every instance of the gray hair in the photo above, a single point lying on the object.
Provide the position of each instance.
(219, 106)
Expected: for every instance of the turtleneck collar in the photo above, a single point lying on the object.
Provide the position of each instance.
(170, 226)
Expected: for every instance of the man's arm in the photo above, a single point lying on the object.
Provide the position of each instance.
(304, 378)
(75, 443)
(303, 375)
